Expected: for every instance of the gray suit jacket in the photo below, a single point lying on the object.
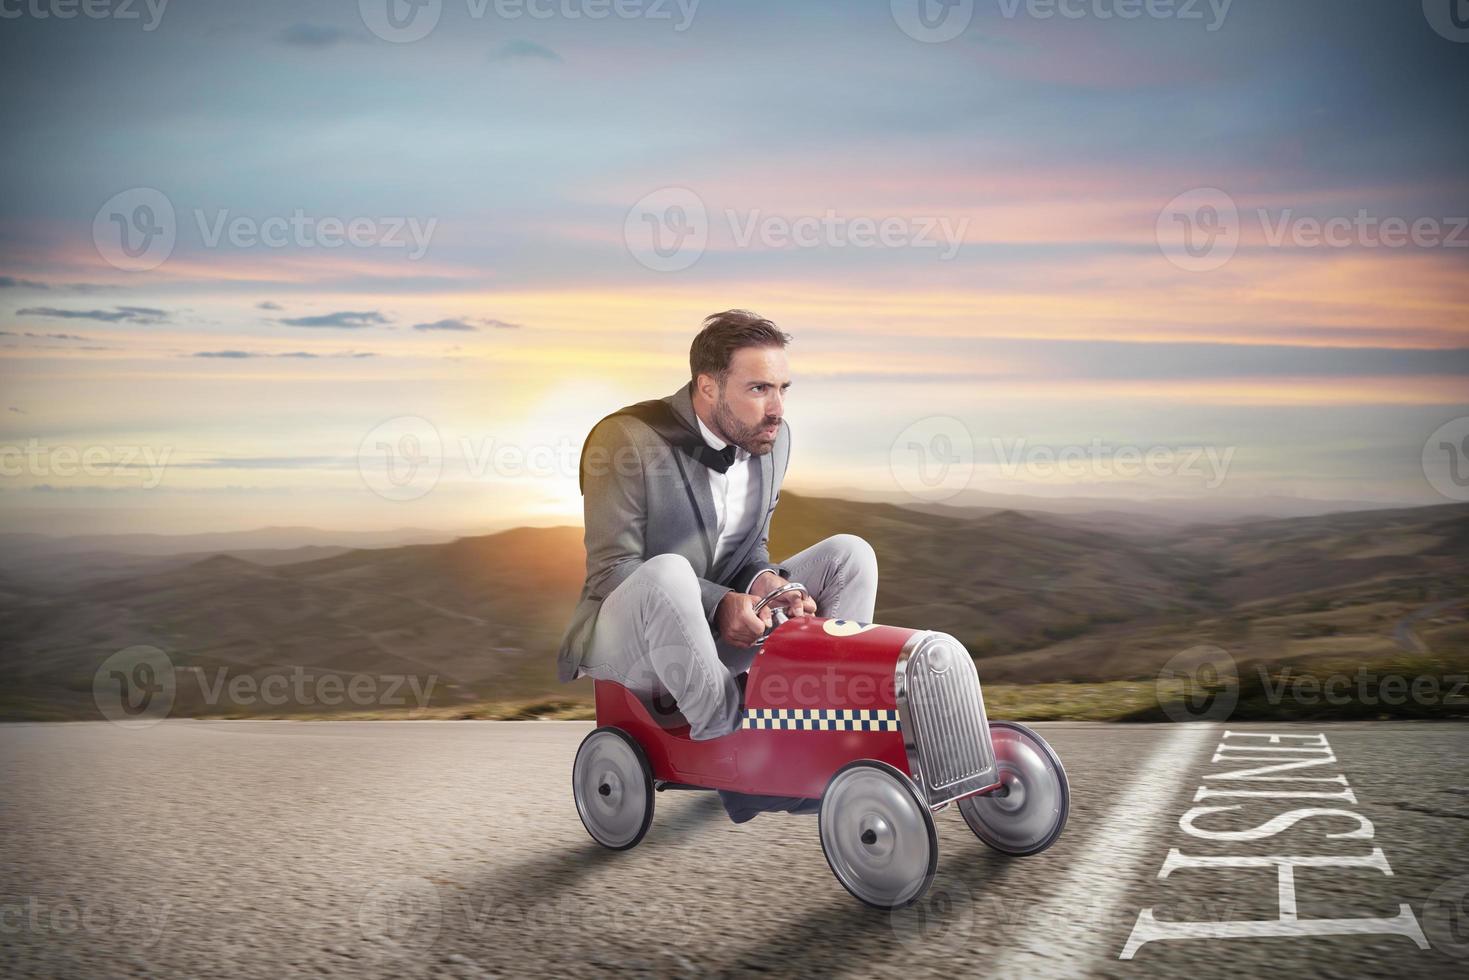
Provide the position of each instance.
(644, 498)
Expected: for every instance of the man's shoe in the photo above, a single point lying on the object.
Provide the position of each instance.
(743, 807)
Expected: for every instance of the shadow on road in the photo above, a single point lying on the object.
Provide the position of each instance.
(540, 895)
(842, 934)
(665, 916)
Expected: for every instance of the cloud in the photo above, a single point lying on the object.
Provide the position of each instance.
(268, 305)
(242, 354)
(44, 336)
(74, 287)
(118, 314)
(345, 319)
(268, 463)
(522, 49)
(312, 36)
(445, 325)
(10, 282)
(467, 324)
(141, 492)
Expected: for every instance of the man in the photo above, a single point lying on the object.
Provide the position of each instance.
(679, 493)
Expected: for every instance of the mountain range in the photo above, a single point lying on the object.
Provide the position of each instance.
(1035, 598)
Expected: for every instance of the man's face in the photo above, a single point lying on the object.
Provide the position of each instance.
(750, 405)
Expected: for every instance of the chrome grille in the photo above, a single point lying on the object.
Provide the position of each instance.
(943, 719)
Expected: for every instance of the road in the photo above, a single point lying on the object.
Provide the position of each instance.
(1405, 636)
(401, 849)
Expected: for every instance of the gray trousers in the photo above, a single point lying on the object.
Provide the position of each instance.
(652, 638)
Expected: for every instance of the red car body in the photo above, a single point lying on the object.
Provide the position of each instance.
(821, 694)
(883, 725)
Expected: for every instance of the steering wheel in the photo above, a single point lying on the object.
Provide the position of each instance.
(773, 593)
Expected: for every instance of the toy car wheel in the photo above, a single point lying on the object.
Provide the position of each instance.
(1027, 813)
(613, 786)
(878, 835)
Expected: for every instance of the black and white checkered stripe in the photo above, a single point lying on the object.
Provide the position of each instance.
(822, 719)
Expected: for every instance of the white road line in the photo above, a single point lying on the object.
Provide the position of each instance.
(1067, 932)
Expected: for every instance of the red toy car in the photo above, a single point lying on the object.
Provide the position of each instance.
(884, 725)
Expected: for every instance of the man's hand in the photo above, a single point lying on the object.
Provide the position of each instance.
(795, 604)
(736, 620)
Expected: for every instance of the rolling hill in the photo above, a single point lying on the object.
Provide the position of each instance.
(1035, 597)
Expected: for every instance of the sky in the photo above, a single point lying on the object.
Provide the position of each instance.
(374, 264)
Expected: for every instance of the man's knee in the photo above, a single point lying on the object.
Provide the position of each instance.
(671, 574)
(854, 550)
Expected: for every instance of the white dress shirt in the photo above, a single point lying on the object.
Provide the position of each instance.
(736, 497)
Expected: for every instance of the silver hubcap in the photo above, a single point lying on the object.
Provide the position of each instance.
(611, 792)
(876, 836)
(1020, 816)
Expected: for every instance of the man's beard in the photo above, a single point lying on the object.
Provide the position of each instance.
(735, 431)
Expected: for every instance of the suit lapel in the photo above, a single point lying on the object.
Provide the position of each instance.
(698, 474)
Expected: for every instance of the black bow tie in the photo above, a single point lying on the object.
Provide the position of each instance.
(717, 459)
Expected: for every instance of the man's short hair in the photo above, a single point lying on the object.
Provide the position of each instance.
(724, 333)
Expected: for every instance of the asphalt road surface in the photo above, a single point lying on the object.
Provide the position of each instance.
(393, 849)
